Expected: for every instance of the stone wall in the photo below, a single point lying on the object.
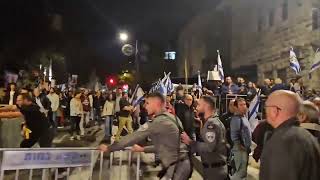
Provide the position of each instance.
(256, 40)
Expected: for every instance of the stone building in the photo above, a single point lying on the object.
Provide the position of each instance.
(260, 33)
(263, 32)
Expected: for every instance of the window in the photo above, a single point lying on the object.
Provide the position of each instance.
(285, 10)
(260, 24)
(315, 18)
(271, 18)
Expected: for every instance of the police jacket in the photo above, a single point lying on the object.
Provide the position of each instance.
(165, 136)
(213, 149)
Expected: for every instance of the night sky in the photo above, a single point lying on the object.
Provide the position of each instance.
(90, 28)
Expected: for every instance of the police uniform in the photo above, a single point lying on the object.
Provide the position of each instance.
(165, 136)
(213, 150)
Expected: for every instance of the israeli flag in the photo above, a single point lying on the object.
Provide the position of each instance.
(167, 83)
(199, 87)
(316, 62)
(159, 87)
(294, 63)
(220, 68)
(138, 97)
(253, 111)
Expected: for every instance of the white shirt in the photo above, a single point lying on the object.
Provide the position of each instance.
(117, 106)
(76, 108)
(108, 108)
(11, 97)
(54, 99)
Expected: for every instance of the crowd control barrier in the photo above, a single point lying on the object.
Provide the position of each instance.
(49, 160)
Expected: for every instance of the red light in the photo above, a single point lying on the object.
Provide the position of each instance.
(111, 81)
(125, 87)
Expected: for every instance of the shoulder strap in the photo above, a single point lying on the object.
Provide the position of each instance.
(175, 121)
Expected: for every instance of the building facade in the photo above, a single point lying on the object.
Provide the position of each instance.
(255, 37)
(263, 32)
(199, 41)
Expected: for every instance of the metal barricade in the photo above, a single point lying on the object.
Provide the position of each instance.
(51, 159)
(230, 97)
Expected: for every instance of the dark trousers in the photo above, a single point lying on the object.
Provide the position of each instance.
(44, 139)
(75, 125)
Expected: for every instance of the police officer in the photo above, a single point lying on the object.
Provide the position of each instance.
(213, 150)
(165, 135)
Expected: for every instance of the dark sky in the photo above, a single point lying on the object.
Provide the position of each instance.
(91, 27)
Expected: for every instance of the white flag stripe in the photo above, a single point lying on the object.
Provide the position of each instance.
(253, 111)
(294, 63)
(220, 68)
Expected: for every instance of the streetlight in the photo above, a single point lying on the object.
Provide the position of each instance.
(123, 37)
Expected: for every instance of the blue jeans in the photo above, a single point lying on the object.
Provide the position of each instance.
(241, 157)
(108, 126)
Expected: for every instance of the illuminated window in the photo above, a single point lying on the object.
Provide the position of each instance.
(285, 10)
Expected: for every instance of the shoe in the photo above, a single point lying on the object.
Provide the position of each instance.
(78, 137)
(71, 138)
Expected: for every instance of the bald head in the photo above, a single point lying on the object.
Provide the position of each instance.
(281, 106)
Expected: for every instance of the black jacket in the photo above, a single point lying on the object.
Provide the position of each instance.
(291, 153)
(35, 120)
(44, 101)
(186, 116)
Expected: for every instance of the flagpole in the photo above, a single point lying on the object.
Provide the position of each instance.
(186, 72)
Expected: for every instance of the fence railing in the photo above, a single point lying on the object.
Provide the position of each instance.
(50, 160)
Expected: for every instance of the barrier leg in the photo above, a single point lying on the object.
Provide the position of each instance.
(68, 173)
(111, 161)
(17, 175)
(56, 174)
(1, 174)
(138, 167)
(120, 165)
(129, 158)
(43, 174)
(30, 174)
(101, 165)
(92, 164)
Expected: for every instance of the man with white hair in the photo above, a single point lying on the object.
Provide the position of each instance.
(291, 152)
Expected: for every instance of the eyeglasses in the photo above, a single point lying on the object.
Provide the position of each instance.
(273, 106)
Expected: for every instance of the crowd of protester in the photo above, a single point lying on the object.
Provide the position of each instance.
(82, 108)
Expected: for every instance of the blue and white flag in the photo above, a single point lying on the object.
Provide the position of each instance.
(316, 62)
(253, 111)
(167, 83)
(199, 86)
(138, 96)
(159, 87)
(220, 68)
(294, 63)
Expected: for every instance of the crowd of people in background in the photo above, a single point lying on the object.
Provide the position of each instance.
(82, 108)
